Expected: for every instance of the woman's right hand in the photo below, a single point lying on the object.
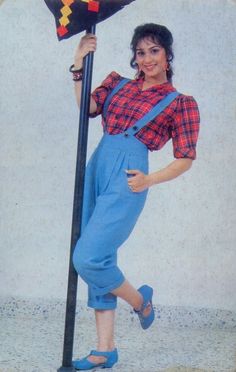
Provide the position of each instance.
(88, 43)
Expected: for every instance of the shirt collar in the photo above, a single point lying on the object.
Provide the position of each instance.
(163, 88)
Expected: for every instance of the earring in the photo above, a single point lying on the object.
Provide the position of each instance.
(167, 67)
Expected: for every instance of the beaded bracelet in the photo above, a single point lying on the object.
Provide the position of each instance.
(77, 74)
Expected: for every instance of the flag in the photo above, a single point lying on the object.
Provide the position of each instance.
(74, 16)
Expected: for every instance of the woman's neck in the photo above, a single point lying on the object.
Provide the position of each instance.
(155, 80)
(149, 82)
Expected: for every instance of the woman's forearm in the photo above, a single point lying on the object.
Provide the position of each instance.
(78, 88)
(78, 84)
(173, 170)
(86, 45)
(140, 181)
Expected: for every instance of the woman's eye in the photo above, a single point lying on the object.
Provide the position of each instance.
(155, 50)
(140, 54)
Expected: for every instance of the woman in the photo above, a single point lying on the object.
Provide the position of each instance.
(137, 115)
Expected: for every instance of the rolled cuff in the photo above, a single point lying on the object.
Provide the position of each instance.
(185, 152)
(99, 106)
(102, 291)
(102, 305)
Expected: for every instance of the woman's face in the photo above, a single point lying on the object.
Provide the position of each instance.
(151, 59)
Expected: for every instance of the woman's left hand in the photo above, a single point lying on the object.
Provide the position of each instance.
(139, 181)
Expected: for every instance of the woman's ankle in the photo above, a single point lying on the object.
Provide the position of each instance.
(106, 346)
(139, 304)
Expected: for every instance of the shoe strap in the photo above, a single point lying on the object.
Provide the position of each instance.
(143, 307)
(101, 353)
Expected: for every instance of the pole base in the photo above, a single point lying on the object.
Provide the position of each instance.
(66, 369)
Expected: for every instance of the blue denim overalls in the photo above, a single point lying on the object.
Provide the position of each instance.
(110, 208)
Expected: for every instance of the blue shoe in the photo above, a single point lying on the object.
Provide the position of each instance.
(84, 364)
(147, 293)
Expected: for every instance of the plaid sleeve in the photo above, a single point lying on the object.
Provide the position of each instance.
(100, 93)
(186, 128)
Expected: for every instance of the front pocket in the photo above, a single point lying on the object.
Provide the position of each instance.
(138, 162)
(108, 168)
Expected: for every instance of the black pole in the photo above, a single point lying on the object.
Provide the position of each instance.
(77, 209)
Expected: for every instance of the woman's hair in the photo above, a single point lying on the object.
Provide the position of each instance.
(157, 33)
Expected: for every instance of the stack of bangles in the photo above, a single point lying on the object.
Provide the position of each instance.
(77, 74)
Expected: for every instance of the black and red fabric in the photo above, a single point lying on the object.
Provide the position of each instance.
(74, 16)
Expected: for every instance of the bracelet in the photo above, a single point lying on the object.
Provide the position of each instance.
(72, 69)
(77, 74)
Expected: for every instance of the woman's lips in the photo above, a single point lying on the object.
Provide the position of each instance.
(149, 67)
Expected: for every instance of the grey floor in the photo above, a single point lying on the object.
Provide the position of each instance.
(32, 342)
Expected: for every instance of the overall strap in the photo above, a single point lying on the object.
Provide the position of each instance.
(120, 85)
(155, 111)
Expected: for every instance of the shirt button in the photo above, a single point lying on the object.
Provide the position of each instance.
(126, 134)
(135, 127)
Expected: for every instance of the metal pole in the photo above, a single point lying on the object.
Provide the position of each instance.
(77, 209)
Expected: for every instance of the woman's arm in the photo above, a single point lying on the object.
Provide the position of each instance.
(186, 129)
(88, 43)
(141, 181)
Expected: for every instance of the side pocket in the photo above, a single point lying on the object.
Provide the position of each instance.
(139, 163)
(109, 168)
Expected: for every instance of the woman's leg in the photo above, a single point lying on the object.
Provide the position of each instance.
(105, 319)
(105, 333)
(95, 255)
(129, 294)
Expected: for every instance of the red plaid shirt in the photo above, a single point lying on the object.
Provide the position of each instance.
(179, 121)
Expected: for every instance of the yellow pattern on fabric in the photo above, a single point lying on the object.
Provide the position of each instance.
(66, 10)
(64, 21)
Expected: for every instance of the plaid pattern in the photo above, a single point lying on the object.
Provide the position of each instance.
(179, 121)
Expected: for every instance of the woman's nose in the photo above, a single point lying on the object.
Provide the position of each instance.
(147, 57)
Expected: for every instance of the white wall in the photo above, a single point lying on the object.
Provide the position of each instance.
(184, 242)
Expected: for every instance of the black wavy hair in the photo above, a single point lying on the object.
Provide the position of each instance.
(156, 33)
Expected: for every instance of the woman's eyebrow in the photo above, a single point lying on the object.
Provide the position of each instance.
(154, 46)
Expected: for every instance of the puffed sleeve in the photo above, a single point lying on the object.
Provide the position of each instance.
(186, 128)
(100, 93)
